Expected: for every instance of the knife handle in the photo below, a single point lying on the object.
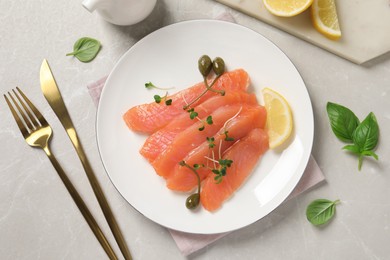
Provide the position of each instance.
(82, 206)
(98, 192)
(53, 96)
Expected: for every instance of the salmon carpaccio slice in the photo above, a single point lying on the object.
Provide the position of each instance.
(189, 139)
(183, 179)
(244, 154)
(148, 118)
(156, 143)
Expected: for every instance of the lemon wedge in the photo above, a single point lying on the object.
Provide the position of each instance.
(279, 117)
(324, 18)
(287, 8)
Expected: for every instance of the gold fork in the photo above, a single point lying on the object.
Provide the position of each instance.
(37, 132)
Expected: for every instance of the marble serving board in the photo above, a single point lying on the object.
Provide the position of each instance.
(365, 26)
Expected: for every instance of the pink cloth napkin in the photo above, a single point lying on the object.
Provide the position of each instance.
(189, 243)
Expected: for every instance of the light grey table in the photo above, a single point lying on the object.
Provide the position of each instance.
(39, 221)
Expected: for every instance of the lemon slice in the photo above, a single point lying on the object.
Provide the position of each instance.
(279, 117)
(324, 17)
(286, 8)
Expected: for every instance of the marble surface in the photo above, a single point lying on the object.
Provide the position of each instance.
(38, 220)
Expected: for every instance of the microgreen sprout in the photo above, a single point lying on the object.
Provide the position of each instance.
(227, 137)
(158, 99)
(220, 172)
(209, 120)
(193, 113)
(219, 149)
(150, 85)
(210, 141)
(225, 131)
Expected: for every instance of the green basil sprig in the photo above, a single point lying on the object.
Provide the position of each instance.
(364, 135)
(85, 49)
(320, 211)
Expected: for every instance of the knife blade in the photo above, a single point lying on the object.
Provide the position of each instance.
(53, 96)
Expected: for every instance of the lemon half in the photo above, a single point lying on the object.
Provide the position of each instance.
(279, 117)
(324, 18)
(287, 8)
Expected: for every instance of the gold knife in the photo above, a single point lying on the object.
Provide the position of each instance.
(53, 96)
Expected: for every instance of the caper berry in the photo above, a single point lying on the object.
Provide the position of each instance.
(205, 65)
(193, 201)
(218, 66)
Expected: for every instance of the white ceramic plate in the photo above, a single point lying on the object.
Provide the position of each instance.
(168, 57)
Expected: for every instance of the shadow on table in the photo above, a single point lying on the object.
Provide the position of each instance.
(157, 19)
(377, 61)
(238, 239)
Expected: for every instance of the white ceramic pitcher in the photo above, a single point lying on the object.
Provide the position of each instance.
(121, 12)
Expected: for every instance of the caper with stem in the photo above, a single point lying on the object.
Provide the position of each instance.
(218, 66)
(205, 65)
(193, 200)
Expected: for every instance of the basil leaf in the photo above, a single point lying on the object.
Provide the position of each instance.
(320, 211)
(366, 135)
(356, 150)
(352, 148)
(370, 153)
(342, 120)
(366, 153)
(85, 49)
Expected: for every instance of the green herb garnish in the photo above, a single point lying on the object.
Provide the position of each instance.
(210, 141)
(209, 120)
(85, 49)
(365, 138)
(220, 172)
(150, 85)
(345, 125)
(193, 113)
(320, 211)
(158, 99)
(227, 137)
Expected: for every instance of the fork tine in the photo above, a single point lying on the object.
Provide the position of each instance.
(38, 114)
(32, 118)
(21, 112)
(16, 116)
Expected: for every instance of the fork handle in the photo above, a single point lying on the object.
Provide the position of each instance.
(81, 205)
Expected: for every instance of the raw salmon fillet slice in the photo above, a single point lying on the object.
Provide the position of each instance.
(148, 118)
(156, 143)
(244, 154)
(190, 138)
(183, 179)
